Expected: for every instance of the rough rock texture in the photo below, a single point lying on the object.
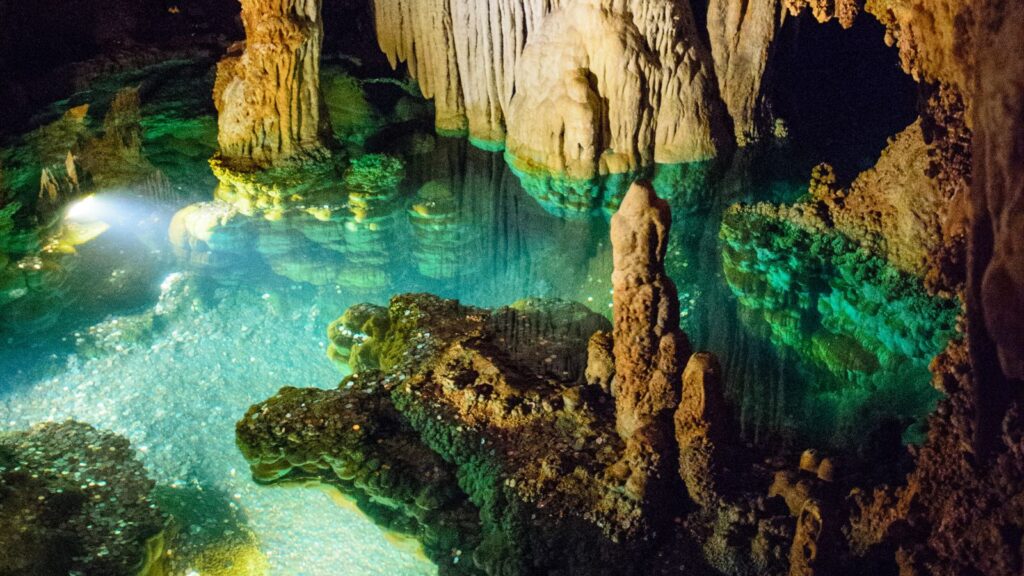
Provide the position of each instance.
(701, 423)
(580, 87)
(611, 87)
(269, 100)
(75, 500)
(649, 348)
(897, 208)
(996, 253)
(741, 36)
(493, 398)
(845, 11)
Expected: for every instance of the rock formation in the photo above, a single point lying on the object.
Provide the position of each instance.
(700, 428)
(580, 88)
(76, 500)
(632, 85)
(268, 97)
(742, 35)
(649, 347)
(996, 252)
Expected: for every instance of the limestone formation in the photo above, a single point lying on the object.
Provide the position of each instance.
(59, 184)
(844, 11)
(742, 36)
(996, 253)
(268, 97)
(578, 87)
(701, 422)
(649, 346)
(897, 208)
(609, 89)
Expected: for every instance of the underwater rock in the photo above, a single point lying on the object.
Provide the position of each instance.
(861, 325)
(76, 500)
(649, 349)
(210, 227)
(268, 97)
(443, 236)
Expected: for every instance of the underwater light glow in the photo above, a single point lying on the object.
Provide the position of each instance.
(88, 208)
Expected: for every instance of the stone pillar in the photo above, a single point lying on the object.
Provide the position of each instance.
(649, 347)
(700, 424)
(268, 96)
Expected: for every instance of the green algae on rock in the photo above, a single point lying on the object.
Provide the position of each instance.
(74, 499)
(866, 331)
(493, 403)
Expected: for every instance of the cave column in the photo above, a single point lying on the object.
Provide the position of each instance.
(649, 348)
(268, 96)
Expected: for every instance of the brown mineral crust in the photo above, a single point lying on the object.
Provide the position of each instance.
(701, 422)
(269, 100)
(649, 346)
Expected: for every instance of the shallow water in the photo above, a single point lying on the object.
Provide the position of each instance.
(170, 348)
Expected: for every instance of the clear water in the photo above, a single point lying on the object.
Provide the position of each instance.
(233, 327)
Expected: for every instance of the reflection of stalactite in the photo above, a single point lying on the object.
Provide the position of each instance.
(444, 243)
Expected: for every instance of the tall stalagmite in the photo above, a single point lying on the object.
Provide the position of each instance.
(649, 347)
(268, 97)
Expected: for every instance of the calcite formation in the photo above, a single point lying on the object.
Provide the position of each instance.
(742, 36)
(701, 428)
(268, 96)
(649, 347)
(576, 88)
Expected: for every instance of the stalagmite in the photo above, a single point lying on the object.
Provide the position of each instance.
(700, 421)
(649, 347)
(268, 97)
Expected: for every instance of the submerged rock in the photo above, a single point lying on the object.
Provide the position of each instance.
(74, 499)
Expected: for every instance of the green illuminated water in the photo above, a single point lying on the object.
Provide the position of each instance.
(168, 345)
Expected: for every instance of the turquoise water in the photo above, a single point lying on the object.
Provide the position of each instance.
(169, 345)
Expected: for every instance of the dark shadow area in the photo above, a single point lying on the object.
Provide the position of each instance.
(842, 92)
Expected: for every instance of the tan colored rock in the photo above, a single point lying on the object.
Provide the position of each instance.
(741, 36)
(844, 11)
(608, 89)
(577, 87)
(268, 97)
(601, 361)
(649, 346)
(700, 423)
(421, 35)
(815, 545)
(934, 38)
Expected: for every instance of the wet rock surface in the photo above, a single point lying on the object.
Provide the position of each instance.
(74, 499)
